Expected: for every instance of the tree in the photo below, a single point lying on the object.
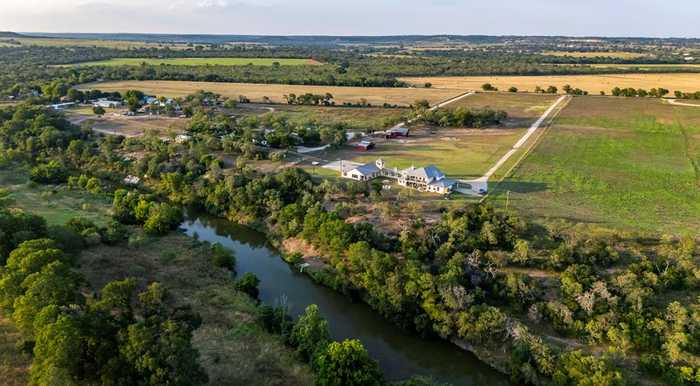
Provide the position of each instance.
(576, 369)
(513, 89)
(347, 363)
(310, 333)
(99, 110)
(52, 172)
(488, 87)
(55, 284)
(248, 284)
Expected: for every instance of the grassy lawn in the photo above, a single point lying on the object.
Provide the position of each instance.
(234, 348)
(14, 364)
(57, 204)
(626, 163)
(199, 62)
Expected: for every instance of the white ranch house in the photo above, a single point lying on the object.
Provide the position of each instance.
(426, 179)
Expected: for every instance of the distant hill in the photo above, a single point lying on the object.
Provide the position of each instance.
(8, 34)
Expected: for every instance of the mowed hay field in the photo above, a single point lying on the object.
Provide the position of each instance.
(523, 109)
(376, 96)
(626, 163)
(594, 84)
(198, 62)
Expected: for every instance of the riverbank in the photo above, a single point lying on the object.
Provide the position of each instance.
(300, 253)
(229, 333)
(401, 354)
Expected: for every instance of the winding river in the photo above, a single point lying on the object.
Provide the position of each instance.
(400, 354)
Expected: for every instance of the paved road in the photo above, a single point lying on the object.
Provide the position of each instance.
(481, 183)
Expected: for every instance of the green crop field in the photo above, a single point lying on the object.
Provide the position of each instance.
(199, 62)
(626, 163)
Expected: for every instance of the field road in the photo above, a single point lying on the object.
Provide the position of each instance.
(481, 183)
(676, 103)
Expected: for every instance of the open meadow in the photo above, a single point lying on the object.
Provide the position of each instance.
(376, 96)
(594, 84)
(198, 62)
(362, 118)
(625, 163)
(57, 204)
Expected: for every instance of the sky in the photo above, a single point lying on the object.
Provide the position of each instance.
(662, 18)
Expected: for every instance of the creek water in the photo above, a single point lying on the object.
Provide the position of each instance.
(400, 354)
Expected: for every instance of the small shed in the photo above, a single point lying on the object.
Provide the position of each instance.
(365, 145)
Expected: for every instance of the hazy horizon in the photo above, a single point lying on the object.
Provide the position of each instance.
(594, 18)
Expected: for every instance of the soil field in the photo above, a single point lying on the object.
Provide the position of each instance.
(198, 62)
(592, 83)
(115, 123)
(376, 96)
(626, 163)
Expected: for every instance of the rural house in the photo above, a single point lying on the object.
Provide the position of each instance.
(426, 179)
(364, 172)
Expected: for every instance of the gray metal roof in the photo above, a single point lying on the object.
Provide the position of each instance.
(427, 173)
(367, 169)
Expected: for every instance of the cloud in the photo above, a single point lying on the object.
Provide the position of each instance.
(358, 17)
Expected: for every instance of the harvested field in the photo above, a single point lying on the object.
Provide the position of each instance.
(198, 62)
(376, 96)
(522, 109)
(597, 54)
(626, 163)
(591, 83)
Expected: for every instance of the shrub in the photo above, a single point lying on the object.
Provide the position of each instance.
(248, 284)
(222, 257)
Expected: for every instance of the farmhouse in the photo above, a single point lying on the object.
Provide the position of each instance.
(107, 104)
(364, 172)
(426, 179)
(429, 179)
